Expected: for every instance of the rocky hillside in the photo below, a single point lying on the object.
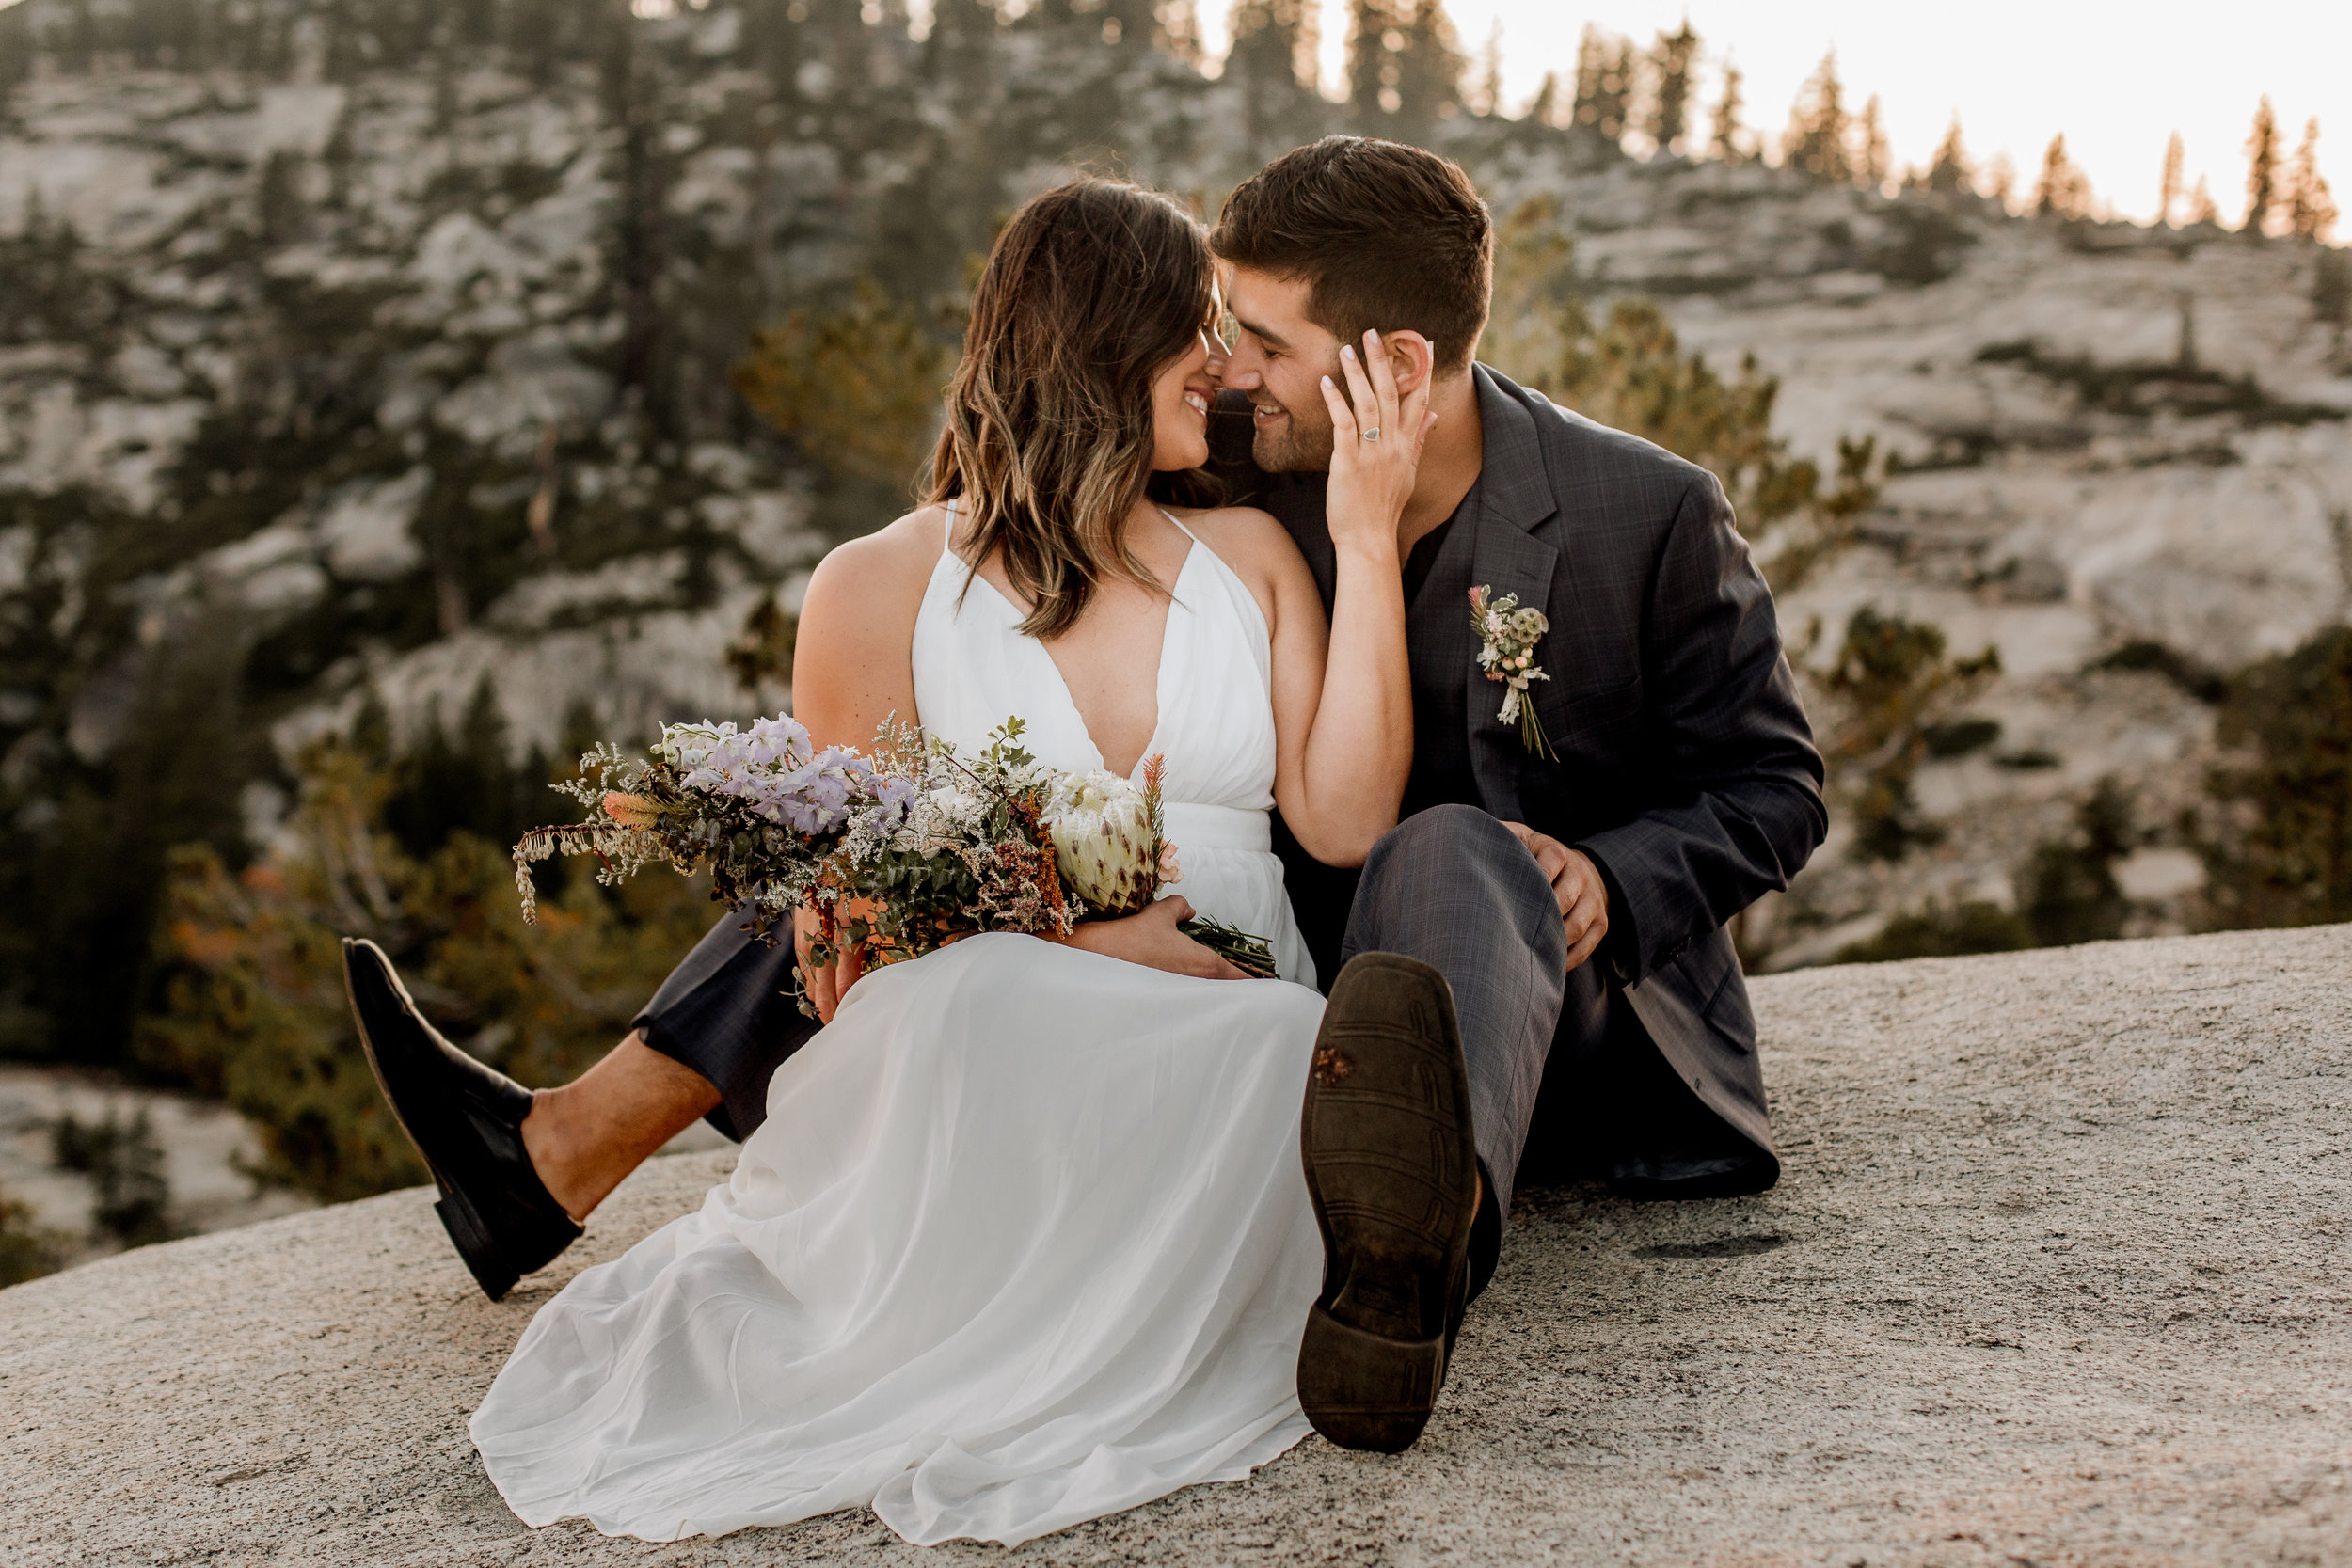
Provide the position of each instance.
(357, 353)
(2120, 458)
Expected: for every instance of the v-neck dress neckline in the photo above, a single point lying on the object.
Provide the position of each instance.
(974, 668)
(1160, 694)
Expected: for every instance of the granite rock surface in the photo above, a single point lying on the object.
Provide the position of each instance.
(2060, 1273)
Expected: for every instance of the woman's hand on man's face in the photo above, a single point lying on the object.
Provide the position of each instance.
(1376, 437)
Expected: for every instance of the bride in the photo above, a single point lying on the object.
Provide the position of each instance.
(1024, 1239)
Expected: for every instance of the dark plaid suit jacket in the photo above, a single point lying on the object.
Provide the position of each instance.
(1686, 767)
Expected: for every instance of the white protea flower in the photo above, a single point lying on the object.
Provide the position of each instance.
(1102, 840)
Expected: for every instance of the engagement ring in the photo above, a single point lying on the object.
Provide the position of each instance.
(1373, 434)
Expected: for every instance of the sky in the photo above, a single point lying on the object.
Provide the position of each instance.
(2117, 79)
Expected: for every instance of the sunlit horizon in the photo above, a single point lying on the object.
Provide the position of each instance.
(2014, 74)
(2161, 68)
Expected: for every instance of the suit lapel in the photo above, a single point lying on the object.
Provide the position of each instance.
(1515, 496)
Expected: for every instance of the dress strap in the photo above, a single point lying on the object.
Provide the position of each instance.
(1179, 527)
(947, 532)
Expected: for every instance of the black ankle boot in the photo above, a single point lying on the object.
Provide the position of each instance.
(466, 1120)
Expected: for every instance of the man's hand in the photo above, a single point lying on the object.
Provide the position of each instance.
(1575, 884)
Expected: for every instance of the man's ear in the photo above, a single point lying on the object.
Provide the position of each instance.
(1412, 359)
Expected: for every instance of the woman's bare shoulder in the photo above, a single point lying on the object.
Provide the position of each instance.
(894, 559)
(1251, 542)
(1261, 552)
(1243, 535)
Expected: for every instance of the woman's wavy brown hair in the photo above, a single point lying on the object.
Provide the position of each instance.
(1092, 289)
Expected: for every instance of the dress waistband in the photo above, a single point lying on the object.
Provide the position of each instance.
(1194, 827)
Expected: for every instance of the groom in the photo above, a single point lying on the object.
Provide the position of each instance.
(1537, 980)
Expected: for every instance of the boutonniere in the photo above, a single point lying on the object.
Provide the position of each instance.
(1507, 636)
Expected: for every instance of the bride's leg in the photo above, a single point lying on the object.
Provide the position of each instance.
(584, 1137)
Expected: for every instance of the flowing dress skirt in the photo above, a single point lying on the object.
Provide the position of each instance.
(1024, 1242)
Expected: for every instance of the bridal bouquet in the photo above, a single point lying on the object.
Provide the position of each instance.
(762, 808)
(898, 853)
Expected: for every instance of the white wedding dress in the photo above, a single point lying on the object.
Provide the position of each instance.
(1024, 1239)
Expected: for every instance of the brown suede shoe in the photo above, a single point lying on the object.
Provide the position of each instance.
(1393, 1176)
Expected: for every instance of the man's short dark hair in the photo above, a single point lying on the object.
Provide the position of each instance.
(1386, 237)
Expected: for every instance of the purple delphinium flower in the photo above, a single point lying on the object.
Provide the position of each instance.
(893, 802)
(781, 739)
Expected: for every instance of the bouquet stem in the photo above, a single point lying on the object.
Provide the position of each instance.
(1248, 953)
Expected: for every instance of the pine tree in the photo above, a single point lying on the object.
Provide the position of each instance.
(857, 389)
(540, 34)
(2069, 892)
(2201, 206)
(1487, 97)
(467, 782)
(1428, 69)
(1616, 91)
(2262, 171)
(1589, 50)
(839, 35)
(1604, 84)
(74, 45)
(961, 31)
(16, 56)
(1949, 173)
(1672, 60)
(2283, 850)
(1728, 137)
(2063, 191)
(2311, 208)
(1816, 142)
(634, 94)
(1999, 183)
(2331, 290)
(277, 206)
(1176, 29)
(1375, 36)
(1545, 109)
(1871, 159)
(2168, 191)
(1273, 45)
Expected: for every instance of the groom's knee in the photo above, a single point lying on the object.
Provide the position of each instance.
(1453, 863)
(1450, 835)
(1452, 841)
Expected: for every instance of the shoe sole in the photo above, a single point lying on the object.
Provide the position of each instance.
(467, 1231)
(1392, 1175)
